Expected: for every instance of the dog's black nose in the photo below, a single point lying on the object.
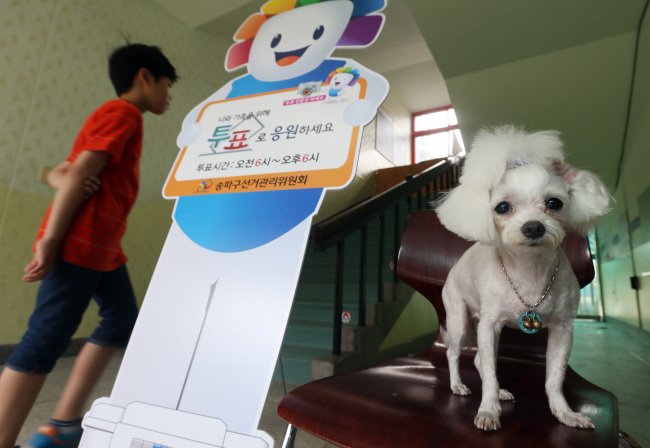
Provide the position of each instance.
(533, 229)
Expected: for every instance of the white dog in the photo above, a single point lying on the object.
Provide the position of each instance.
(516, 196)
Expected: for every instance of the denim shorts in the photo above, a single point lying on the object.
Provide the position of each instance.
(63, 297)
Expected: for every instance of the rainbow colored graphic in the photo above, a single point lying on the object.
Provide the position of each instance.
(361, 31)
(353, 71)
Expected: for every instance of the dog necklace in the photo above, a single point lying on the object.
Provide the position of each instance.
(529, 322)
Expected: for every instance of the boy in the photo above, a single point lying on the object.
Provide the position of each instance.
(78, 253)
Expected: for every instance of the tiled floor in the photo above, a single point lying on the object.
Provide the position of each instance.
(270, 421)
(616, 357)
(612, 355)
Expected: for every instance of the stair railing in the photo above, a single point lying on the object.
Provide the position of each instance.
(333, 231)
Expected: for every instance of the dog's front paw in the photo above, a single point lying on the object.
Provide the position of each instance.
(461, 389)
(505, 395)
(575, 420)
(487, 421)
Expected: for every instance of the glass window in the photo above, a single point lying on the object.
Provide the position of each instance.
(430, 121)
(435, 135)
(432, 146)
(452, 117)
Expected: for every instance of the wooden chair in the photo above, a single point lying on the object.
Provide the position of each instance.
(406, 402)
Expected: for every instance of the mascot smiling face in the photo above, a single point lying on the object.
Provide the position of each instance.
(295, 42)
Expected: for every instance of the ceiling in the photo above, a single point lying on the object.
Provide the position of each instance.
(471, 35)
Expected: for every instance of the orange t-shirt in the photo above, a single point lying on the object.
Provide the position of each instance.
(93, 240)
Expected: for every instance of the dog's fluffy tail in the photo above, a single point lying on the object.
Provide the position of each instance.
(468, 339)
(444, 335)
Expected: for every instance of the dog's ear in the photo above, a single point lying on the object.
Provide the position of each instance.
(466, 211)
(589, 198)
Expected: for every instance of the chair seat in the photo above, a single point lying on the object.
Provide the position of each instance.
(417, 409)
(407, 402)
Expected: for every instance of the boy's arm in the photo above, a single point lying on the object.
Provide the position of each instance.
(69, 196)
(56, 175)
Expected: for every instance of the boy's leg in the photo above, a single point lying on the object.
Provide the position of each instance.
(118, 309)
(87, 369)
(18, 392)
(63, 296)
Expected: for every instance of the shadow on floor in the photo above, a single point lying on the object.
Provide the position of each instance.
(613, 355)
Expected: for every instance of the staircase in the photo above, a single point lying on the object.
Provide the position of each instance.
(314, 333)
(310, 331)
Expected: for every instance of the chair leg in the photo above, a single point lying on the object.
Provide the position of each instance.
(289, 436)
(626, 441)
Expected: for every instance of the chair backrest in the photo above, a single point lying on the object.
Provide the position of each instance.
(428, 251)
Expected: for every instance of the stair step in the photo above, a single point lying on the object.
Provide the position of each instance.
(296, 362)
(321, 292)
(308, 333)
(351, 275)
(321, 312)
(297, 351)
(312, 311)
(296, 370)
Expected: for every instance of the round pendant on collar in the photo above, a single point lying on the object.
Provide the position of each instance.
(530, 322)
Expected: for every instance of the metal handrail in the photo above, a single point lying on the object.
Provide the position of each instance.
(330, 231)
(333, 231)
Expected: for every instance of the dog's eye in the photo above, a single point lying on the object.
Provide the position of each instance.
(554, 204)
(502, 208)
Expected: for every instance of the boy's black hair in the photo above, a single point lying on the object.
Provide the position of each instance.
(126, 61)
